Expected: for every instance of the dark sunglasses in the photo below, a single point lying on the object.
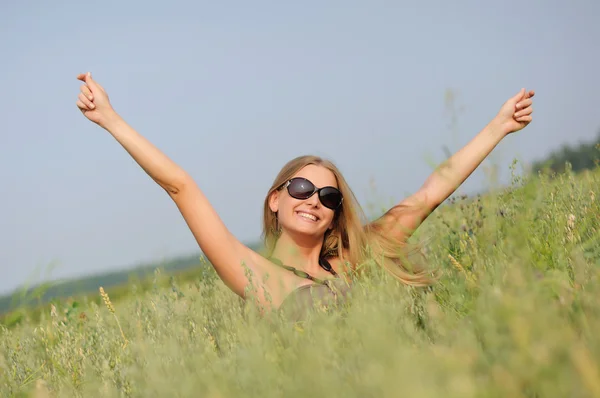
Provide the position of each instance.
(301, 188)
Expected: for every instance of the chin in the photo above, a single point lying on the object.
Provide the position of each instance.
(308, 230)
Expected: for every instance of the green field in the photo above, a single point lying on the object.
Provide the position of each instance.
(514, 315)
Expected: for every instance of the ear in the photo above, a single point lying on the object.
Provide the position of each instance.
(274, 201)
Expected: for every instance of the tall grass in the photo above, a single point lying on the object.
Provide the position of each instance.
(515, 314)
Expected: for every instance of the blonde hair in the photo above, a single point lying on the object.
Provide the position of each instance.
(351, 237)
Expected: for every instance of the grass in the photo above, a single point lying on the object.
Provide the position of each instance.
(516, 314)
(30, 305)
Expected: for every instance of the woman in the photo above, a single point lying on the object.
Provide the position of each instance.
(314, 229)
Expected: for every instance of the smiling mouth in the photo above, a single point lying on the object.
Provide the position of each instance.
(307, 216)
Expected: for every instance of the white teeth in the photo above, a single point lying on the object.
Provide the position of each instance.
(309, 216)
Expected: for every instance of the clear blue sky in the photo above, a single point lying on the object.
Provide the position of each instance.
(232, 90)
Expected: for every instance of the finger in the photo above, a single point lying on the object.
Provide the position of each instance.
(524, 119)
(86, 101)
(524, 103)
(85, 90)
(82, 106)
(523, 112)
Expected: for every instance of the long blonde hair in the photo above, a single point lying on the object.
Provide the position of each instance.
(351, 238)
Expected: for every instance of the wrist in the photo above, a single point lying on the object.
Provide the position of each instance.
(111, 121)
(497, 130)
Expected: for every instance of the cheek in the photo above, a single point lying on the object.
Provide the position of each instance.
(328, 217)
(285, 207)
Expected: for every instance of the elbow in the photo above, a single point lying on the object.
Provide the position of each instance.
(177, 185)
(425, 201)
(429, 197)
(172, 189)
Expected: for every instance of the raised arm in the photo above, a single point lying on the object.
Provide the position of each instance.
(404, 218)
(222, 249)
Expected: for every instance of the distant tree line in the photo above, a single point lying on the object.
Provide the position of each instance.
(48, 291)
(184, 265)
(585, 156)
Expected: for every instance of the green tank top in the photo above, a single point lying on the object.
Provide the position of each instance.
(323, 294)
(305, 299)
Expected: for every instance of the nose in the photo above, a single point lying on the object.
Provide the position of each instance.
(313, 201)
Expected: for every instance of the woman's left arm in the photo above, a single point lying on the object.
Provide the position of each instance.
(404, 218)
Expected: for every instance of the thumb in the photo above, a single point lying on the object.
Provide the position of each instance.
(94, 87)
(519, 96)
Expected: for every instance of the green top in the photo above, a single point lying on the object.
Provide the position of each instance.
(324, 293)
(297, 305)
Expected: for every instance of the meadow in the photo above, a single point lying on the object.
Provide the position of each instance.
(516, 313)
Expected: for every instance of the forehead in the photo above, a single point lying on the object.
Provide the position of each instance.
(318, 175)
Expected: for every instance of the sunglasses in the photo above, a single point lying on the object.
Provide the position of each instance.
(301, 188)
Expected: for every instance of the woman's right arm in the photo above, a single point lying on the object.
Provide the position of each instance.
(221, 248)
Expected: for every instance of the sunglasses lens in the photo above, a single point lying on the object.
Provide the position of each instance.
(330, 197)
(301, 188)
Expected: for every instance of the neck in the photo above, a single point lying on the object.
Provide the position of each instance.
(298, 253)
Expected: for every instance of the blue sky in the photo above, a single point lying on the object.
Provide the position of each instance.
(232, 90)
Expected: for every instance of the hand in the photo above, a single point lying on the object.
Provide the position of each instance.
(515, 114)
(93, 101)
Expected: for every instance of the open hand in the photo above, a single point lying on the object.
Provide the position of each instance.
(93, 101)
(515, 114)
